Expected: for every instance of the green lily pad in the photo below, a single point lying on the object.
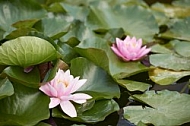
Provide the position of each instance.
(106, 17)
(134, 85)
(166, 77)
(165, 106)
(170, 61)
(31, 79)
(182, 48)
(26, 51)
(55, 30)
(94, 114)
(6, 88)
(23, 107)
(172, 11)
(179, 30)
(99, 84)
(14, 11)
(160, 49)
(99, 51)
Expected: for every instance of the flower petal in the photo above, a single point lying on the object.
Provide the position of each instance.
(116, 51)
(68, 108)
(48, 90)
(78, 84)
(54, 102)
(80, 97)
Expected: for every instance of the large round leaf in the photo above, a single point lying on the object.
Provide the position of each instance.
(99, 84)
(170, 61)
(6, 88)
(26, 51)
(167, 108)
(27, 106)
(123, 17)
(17, 10)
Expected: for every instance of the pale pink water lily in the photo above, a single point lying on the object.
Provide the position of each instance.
(61, 91)
(130, 49)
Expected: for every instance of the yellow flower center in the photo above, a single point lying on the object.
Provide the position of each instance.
(63, 82)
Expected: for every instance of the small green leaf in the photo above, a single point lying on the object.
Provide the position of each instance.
(182, 48)
(134, 85)
(170, 61)
(165, 109)
(55, 30)
(160, 49)
(26, 51)
(27, 106)
(166, 77)
(6, 88)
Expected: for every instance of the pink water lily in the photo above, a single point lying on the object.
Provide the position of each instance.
(130, 49)
(61, 91)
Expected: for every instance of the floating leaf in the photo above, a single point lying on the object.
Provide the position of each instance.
(99, 84)
(21, 107)
(166, 108)
(123, 17)
(160, 49)
(166, 77)
(182, 48)
(31, 79)
(134, 85)
(26, 51)
(55, 30)
(94, 114)
(179, 30)
(171, 11)
(170, 61)
(18, 10)
(6, 88)
(98, 51)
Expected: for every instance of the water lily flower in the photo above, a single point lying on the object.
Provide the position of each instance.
(61, 91)
(130, 49)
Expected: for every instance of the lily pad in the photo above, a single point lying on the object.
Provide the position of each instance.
(6, 88)
(179, 30)
(99, 51)
(99, 84)
(166, 77)
(31, 79)
(21, 107)
(170, 61)
(26, 51)
(94, 114)
(134, 85)
(182, 48)
(55, 30)
(123, 17)
(19, 10)
(165, 106)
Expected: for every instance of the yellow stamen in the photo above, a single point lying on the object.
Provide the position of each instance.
(63, 82)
